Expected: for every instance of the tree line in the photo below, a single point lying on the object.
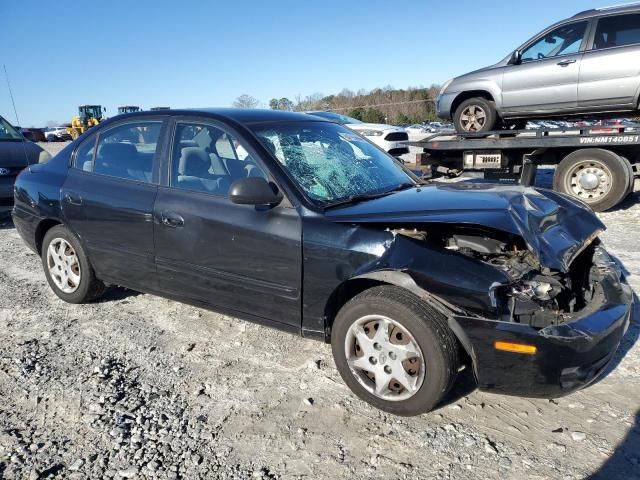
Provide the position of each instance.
(380, 105)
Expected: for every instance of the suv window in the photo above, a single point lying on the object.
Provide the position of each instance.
(564, 40)
(208, 159)
(125, 151)
(617, 31)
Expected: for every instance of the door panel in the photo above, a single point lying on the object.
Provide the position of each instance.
(542, 85)
(547, 77)
(237, 257)
(114, 219)
(609, 77)
(610, 73)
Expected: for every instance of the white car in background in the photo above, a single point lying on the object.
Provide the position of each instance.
(56, 134)
(387, 137)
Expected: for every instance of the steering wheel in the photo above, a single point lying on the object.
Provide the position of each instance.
(540, 56)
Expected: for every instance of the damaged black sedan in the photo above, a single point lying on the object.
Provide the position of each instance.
(299, 223)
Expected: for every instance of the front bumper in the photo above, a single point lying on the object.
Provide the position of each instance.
(6, 193)
(569, 356)
(443, 105)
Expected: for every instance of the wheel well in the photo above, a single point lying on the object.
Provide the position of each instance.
(42, 229)
(467, 95)
(341, 295)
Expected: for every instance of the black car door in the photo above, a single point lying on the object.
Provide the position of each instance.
(239, 258)
(108, 197)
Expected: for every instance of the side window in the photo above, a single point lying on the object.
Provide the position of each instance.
(617, 31)
(208, 159)
(84, 154)
(563, 40)
(127, 151)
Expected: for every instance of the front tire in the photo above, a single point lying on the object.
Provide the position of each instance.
(475, 115)
(596, 176)
(394, 351)
(67, 268)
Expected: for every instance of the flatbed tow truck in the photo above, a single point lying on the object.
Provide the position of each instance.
(599, 165)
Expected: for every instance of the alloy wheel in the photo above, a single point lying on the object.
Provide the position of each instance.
(384, 357)
(473, 118)
(63, 265)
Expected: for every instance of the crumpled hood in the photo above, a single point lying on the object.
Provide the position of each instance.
(554, 227)
(12, 154)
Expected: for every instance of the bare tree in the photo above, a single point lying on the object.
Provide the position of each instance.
(246, 101)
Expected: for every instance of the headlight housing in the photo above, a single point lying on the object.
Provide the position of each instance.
(371, 133)
(446, 85)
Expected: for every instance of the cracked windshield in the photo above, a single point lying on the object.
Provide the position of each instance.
(331, 163)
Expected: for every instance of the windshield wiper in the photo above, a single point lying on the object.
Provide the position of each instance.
(363, 197)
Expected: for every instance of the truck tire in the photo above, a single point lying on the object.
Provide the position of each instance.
(475, 115)
(75, 133)
(598, 177)
(371, 338)
(631, 176)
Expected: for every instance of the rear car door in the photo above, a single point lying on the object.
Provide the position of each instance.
(108, 197)
(610, 71)
(238, 258)
(547, 77)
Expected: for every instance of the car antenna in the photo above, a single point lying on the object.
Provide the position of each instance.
(15, 110)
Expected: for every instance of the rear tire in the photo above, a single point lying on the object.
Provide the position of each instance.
(475, 115)
(67, 268)
(372, 370)
(596, 176)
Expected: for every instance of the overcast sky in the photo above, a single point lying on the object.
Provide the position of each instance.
(199, 53)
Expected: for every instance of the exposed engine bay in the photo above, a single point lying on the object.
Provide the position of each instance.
(535, 295)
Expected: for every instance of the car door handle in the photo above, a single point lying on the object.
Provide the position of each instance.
(170, 219)
(565, 63)
(73, 198)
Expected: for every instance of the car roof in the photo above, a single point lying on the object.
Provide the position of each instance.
(613, 9)
(240, 115)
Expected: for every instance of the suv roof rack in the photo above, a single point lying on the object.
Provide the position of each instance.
(610, 7)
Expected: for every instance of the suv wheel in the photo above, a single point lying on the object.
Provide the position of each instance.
(394, 351)
(598, 177)
(475, 115)
(67, 268)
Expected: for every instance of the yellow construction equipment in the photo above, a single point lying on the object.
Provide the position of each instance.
(88, 116)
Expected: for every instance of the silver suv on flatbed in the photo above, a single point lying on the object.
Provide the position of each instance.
(587, 65)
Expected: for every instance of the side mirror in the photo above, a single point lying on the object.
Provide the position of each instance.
(516, 58)
(254, 191)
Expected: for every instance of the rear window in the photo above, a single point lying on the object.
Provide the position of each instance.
(617, 31)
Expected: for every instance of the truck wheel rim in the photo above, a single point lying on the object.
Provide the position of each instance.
(589, 180)
(473, 118)
(63, 265)
(384, 357)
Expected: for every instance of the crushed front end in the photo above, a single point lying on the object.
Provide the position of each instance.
(555, 332)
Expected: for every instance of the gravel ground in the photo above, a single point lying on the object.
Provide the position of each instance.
(137, 386)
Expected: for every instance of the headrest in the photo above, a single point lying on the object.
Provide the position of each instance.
(194, 162)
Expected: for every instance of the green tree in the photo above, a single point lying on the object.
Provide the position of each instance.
(357, 113)
(372, 115)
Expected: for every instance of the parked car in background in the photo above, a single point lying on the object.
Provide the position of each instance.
(57, 134)
(319, 232)
(387, 137)
(32, 134)
(16, 152)
(586, 65)
(419, 129)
